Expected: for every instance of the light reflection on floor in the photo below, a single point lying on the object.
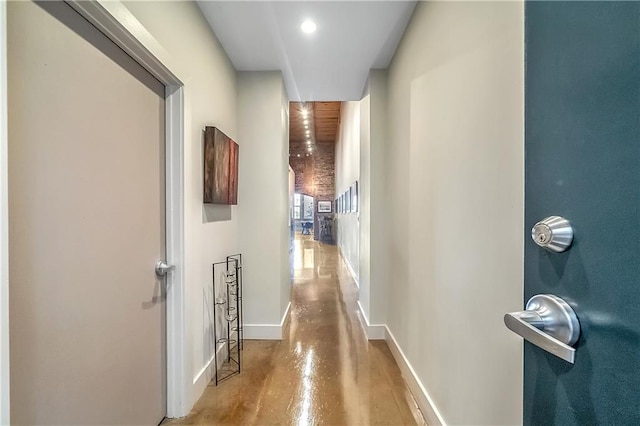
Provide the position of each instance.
(324, 371)
(303, 254)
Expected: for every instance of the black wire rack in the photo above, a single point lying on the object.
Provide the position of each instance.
(227, 317)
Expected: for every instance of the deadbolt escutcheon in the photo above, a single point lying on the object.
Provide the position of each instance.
(553, 233)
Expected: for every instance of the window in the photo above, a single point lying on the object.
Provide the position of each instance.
(297, 206)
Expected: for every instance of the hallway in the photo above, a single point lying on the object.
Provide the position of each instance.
(324, 372)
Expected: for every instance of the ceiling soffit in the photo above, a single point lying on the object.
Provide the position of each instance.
(333, 63)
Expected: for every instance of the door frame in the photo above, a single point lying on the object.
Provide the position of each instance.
(115, 21)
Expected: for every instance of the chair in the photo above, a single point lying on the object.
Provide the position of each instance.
(306, 228)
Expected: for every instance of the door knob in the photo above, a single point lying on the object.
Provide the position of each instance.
(549, 323)
(553, 233)
(162, 268)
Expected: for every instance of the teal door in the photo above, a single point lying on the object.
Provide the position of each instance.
(582, 147)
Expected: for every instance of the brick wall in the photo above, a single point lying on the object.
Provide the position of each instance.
(315, 176)
(324, 181)
(303, 168)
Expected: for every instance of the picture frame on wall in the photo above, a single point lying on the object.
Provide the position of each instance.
(354, 197)
(324, 206)
(220, 173)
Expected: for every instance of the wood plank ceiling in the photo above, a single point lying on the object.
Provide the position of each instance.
(323, 120)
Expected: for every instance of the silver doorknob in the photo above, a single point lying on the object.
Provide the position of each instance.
(549, 323)
(553, 233)
(162, 268)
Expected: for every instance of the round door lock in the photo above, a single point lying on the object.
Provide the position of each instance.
(553, 233)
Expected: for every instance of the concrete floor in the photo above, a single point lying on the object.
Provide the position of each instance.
(325, 372)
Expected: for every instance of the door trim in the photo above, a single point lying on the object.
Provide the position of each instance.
(4, 225)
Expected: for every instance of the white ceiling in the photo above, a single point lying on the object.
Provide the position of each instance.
(331, 64)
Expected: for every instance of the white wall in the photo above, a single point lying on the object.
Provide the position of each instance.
(263, 206)
(285, 243)
(292, 190)
(373, 205)
(364, 195)
(455, 194)
(347, 172)
(360, 153)
(4, 234)
(211, 233)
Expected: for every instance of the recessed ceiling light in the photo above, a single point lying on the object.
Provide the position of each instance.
(305, 112)
(305, 121)
(308, 26)
(298, 155)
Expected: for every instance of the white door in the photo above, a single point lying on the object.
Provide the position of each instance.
(86, 225)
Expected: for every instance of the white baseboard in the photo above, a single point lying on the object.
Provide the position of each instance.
(352, 272)
(204, 376)
(349, 267)
(205, 371)
(267, 331)
(429, 410)
(284, 324)
(373, 332)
